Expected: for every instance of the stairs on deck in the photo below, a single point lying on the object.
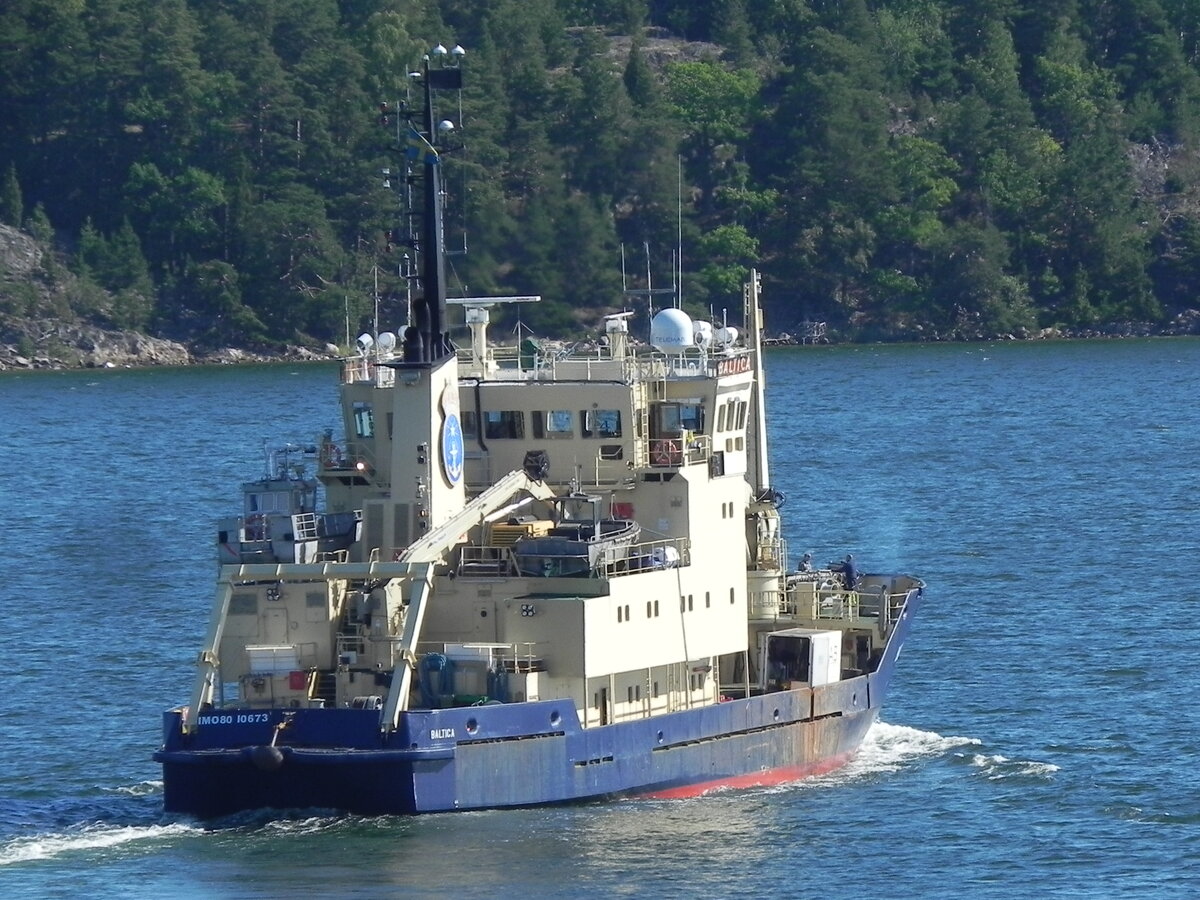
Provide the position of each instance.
(326, 688)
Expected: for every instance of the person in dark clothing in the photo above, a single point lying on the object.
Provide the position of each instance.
(850, 573)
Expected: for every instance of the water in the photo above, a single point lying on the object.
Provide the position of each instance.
(1038, 740)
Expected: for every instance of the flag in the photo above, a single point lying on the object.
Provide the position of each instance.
(419, 149)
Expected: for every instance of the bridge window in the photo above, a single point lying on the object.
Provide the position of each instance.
(555, 423)
(364, 420)
(601, 423)
(691, 417)
(501, 424)
(470, 425)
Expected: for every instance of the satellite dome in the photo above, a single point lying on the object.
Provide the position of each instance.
(671, 331)
(727, 336)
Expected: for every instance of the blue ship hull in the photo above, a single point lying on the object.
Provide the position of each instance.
(510, 755)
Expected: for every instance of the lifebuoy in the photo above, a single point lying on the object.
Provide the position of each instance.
(665, 453)
(331, 456)
(256, 527)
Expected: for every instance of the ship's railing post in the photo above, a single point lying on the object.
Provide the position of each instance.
(697, 447)
(208, 663)
(420, 587)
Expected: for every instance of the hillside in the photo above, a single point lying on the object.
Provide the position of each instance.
(50, 334)
(208, 171)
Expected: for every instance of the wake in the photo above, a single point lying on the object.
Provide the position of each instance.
(86, 839)
(891, 748)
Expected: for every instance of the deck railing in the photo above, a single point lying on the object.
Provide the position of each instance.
(680, 451)
(500, 561)
(364, 369)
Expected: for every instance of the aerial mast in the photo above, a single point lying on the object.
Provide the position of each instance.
(426, 340)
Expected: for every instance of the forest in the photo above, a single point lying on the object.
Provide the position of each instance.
(213, 170)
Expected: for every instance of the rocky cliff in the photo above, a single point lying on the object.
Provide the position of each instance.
(39, 330)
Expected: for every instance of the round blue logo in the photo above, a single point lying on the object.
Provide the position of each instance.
(453, 451)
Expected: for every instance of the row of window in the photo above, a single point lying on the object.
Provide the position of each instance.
(633, 692)
(509, 424)
(686, 604)
(732, 415)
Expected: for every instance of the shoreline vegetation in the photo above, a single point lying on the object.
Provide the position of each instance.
(55, 337)
(228, 175)
(78, 347)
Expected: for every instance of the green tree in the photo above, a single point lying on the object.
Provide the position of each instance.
(183, 213)
(829, 165)
(12, 206)
(292, 256)
(38, 225)
(728, 251)
(640, 81)
(215, 289)
(598, 116)
(714, 105)
(973, 292)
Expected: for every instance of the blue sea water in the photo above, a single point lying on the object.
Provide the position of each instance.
(1038, 741)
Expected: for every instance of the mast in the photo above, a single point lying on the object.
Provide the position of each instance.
(426, 465)
(758, 459)
(426, 340)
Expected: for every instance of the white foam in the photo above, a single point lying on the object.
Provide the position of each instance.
(141, 789)
(888, 748)
(996, 767)
(307, 825)
(86, 837)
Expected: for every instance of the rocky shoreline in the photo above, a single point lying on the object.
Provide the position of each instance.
(38, 346)
(34, 342)
(77, 346)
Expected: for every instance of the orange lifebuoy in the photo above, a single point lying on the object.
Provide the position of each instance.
(665, 453)
(331, 456)
(256, 527)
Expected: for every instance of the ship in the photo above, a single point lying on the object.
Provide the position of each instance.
(521, 576)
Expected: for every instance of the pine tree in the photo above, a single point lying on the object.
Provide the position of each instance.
(12, 207)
